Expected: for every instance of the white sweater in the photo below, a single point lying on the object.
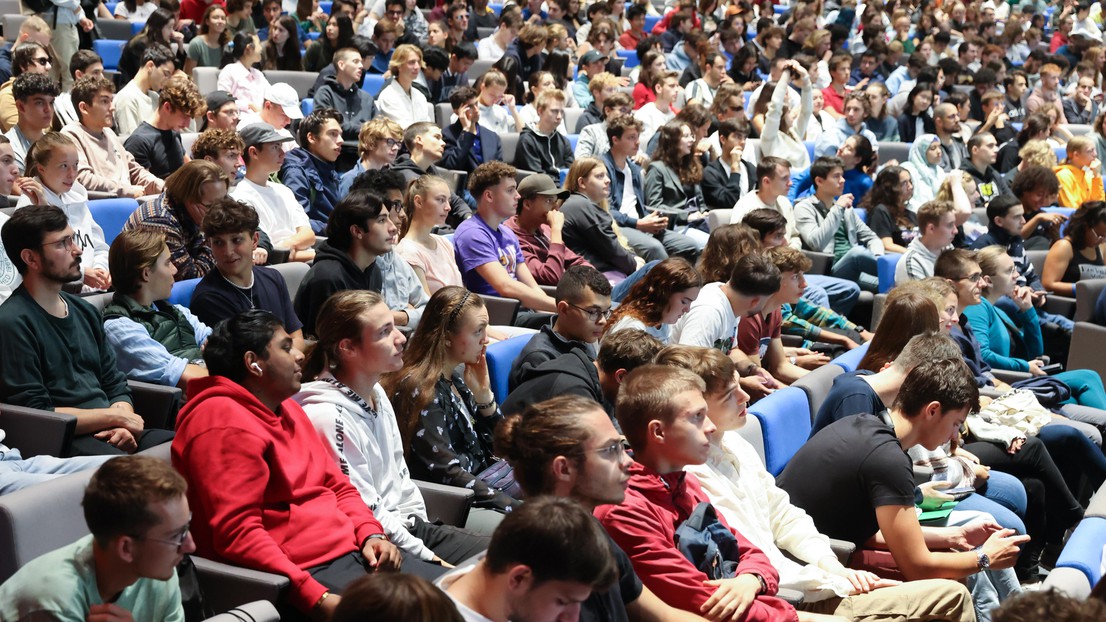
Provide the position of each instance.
(86, 233)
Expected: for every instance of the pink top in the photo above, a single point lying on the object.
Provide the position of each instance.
(246, 85)
(438, 265)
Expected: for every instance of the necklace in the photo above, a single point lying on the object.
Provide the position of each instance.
(246, 292)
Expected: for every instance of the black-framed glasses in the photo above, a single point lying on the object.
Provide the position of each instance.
(394, 204)
(593, 315)
(177, 539)
(391, 142)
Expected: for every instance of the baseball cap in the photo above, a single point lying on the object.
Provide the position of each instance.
(218, 99)
(256, 134)
(591, 56)
(286, 97)
(543, 185)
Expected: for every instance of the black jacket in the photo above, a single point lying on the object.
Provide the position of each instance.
(991, 183)
(459, 153)
(592, 114)
(543, 154)
(355, 106)
(569, 374)
(721, 190)
(333, 271)
(459, 211)
(542, 347)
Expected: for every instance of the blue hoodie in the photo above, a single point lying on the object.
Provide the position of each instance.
(315, 184)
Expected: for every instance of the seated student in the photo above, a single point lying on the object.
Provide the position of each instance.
(1080, 174)
(236, 284)
(447, 416)
(542, 148)
(308, 170)
(343, 93)
(658, 300)
(759, 334)
(222, 112)
(223, 147)
(982, 155)
(663, 415)
(358, 342)
(599, 88)
(378, 145)
(488, 253)
(84, 63)
(280, 108)
(425, 147)
(316, 529)
(729, 178)
(543, 561)
(401, 101)
(588, 226)
(583, 306)
(1078, 254)
(52, 161)
(497, 107)
(772, 181)
(656, 113)
(746, 496)
(888, 213)
(104, 165)
(361, 232)
(34, 95)
(178, 213)
(394, 596)
(827, 223)
(468, 144)
(856, 107)
(452, 71)
(32, 29)
(156, 142)
(136, 509)
(1036, 188)
(596, 378)
(281, 216)
(858, 156)
(672, 181)
(543, 445)
(27, 57)
(539, 225)
(593, 140)
(430, 255)
(645, 229)
(937, 224)
(65, 363)
(153, 341)
(138, 99)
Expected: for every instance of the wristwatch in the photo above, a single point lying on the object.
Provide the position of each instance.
(983, 561)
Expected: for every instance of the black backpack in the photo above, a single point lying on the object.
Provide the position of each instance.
(40, 6)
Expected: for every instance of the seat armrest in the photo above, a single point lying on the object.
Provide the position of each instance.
(257, 611)
(156, 404)
(37, 432)
(922, 474)
(1060, 305)
(226, 587)
(1010, 377)
(449, 504)
(820, 262)
(843, 549)
(501, 311)
(793, 597)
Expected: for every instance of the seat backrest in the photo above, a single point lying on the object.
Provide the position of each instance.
(373, 84)
(718, 218)
(1037, 258)
(442, 113)
(751, 432)
(112, 214)
(118, 29)
(572, 116)
(479, 67)
(302, 81)
(293, 273)
(510, 145)
(878, 305)
(206, 79)
(12, 24)
(885, 268)
(182, 292)
(110, 52)
(39, 519)
(100, 301)
(785, 419)
(817, 385)
(501, 355)
(501, 311)
(893, 151)
(1087, 292)
(849, 360)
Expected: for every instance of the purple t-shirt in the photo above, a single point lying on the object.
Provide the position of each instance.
(476, 244)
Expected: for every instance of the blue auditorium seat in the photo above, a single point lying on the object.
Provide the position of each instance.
(110, 50)
(112, 214)
(885, 267)
(501, 355)
(849, 360)
(784, 418)
(182, 292)
(373, 84)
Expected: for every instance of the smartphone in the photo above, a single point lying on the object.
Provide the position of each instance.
(1053, 368)
(959, 493)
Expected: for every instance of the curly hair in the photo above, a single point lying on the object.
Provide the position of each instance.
(724, 247)
(648, 298)
(212, 141)
(887, 191)
(181, 94)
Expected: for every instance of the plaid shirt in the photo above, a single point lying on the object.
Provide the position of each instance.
(807, 320)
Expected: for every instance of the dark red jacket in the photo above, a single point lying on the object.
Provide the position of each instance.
(644, 526)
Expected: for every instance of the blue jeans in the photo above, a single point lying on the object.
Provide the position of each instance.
(829, 291)
(989, 588)
(1003, 498)
(859, 266)
(619, 291)
(16, 473)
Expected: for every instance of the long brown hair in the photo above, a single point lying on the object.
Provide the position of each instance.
(649, 296)
(688, 167)
(725, 246)
(412, 387)
(342, 316)
(908, 313)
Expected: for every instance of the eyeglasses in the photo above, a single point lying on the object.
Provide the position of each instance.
(593, 315)
(391, 142)
(176, 539)
(974, 278)
(614, 450)
(64, 244)
(42, 60)
(393, 204)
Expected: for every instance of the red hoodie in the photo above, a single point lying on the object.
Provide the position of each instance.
(644, 526)
(263, 490)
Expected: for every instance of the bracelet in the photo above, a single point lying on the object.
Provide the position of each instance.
(319, 603)
(377, 536)
(486, 405)
(1073, 286)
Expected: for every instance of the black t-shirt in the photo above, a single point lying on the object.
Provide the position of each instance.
(159, 151)
(217, 299)
(846, 471)
(884, 225)
(610, 606)
(850, 395)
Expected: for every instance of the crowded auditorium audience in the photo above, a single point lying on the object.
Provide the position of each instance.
(528, 310)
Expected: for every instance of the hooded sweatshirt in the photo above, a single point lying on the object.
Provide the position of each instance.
(991, 183)
(263, 490)
(543, 153)
(355, 105)
(366, 445)
(86, 233)
(1077, 186)
(333, 271)
(644, 525)
(573, 373)
(315, 184)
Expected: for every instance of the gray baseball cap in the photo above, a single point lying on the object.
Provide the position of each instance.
(256, 134)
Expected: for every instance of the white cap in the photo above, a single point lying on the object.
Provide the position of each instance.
(286, 97)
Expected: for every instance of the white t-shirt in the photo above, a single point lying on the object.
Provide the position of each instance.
(710, 323)
(628, 204)
(443, 582)
(488, 49)
(652, 118)
(751, 201)
(141, 12)
(277, 209)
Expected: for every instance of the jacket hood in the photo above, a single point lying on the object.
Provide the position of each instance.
(213, 387)
(574, 363)
(302, 158)
(405, 163)
(320, 392)
(327, 252)
(971, 169)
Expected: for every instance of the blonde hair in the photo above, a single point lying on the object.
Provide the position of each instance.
(372, 132)
(1078, 143)
(1039, 153)
(401, 55)
(602, 81)
(418, 188)
(582, 168)
(547, 96)
(944, 193)
(43, 149)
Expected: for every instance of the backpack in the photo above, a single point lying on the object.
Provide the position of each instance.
(39, 6)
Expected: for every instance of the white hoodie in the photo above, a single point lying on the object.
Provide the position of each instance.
(86, 233)
(369, 449)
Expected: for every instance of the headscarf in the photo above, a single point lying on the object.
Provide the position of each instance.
(927, 177)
